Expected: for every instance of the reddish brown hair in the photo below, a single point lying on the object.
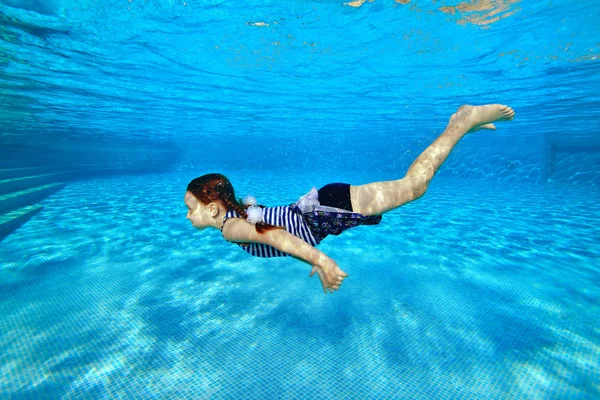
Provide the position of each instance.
(216, 187)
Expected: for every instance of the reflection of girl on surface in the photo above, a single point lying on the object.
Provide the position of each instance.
(295, 229)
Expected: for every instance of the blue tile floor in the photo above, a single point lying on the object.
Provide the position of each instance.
(477, 290)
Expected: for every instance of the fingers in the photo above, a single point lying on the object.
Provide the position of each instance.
(330, 288)
(323, 280)
(333, 287)
(329, 284)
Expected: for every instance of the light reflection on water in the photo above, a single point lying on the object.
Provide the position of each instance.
(462, 292)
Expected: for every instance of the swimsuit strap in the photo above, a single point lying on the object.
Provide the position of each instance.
(229, 214)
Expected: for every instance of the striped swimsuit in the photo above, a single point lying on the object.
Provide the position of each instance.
(285, 216)
(307, 219)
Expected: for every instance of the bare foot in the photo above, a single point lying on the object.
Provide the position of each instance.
(474, 118)
(484, 126)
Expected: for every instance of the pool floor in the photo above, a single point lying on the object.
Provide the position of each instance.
(479, 289)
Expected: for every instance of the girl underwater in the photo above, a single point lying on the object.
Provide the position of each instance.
(296, 229)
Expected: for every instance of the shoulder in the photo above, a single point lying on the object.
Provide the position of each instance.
(239, 230)
(230, 221)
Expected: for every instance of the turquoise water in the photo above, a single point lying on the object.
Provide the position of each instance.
(487, 287)
(463, 293)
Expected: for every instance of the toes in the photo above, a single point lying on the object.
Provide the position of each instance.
(508, 113)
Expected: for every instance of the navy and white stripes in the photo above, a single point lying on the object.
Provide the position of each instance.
(284, 216)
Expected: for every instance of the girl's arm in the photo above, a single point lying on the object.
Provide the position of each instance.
(238, 230)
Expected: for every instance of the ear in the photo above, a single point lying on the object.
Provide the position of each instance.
(213, 209)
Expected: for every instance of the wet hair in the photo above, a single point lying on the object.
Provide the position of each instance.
(216, 187)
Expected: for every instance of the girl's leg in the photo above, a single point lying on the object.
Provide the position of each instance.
(380, 197)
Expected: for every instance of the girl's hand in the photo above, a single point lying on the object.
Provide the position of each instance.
(330, 274)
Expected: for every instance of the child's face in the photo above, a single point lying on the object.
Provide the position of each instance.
(197, 212)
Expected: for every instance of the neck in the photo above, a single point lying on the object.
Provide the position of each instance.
(217, 220)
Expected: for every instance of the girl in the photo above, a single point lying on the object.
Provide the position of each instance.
(295, 229)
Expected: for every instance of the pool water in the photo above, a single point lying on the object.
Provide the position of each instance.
(477, 290)
(488, 287)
